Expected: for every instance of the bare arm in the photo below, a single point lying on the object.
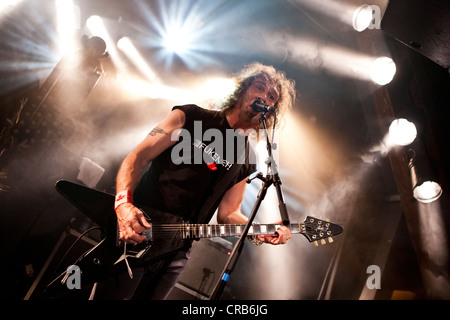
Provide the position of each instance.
(158, 140)
(230, 212)
(230, 207)
(130, 219)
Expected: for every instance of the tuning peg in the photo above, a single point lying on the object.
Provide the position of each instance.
(316, 243)
(330, 240)
(322, 241)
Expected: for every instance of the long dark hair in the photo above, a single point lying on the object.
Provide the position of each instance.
(244, 79)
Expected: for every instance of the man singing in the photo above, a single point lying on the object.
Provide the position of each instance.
(177, 182)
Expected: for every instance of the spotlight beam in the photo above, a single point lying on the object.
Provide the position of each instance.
(67, 22)
(97, 28)
(312, 54)
(126, 46)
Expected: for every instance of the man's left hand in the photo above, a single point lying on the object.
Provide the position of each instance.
(281, 237)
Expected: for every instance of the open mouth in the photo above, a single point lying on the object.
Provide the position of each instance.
(253, 112)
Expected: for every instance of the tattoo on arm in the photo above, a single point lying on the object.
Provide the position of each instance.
(157, 130)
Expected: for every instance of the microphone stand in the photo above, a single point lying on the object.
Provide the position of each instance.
(271, 178)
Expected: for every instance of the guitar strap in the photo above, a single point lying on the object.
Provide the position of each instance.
(213, 198)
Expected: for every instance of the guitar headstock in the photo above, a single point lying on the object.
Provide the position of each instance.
(315, 229)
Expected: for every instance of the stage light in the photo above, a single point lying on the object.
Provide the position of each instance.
(176, 40)
(97, 27)
(425, 189)
(402, 132)
(98, 30)
(6, 6)
(68, 21)
(95, 47)
(427, 192)
(95, 24)
(314, 55)
(383, 70)
(185, 33)
(362, 18)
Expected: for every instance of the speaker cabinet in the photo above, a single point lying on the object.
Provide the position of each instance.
(62, 256)
(206, 263)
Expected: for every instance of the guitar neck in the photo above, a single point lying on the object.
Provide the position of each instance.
(231, 230)
(312, 228)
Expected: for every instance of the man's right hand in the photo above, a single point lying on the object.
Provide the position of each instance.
(131, 222)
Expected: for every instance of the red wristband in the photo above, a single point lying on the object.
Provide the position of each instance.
(124, 196)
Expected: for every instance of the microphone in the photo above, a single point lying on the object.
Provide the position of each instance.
(259, 106)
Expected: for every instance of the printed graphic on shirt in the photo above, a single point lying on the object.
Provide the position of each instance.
(213, 148)
(212, 166)
(211, 153)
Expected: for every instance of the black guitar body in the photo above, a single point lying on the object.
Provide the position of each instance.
(102, 261)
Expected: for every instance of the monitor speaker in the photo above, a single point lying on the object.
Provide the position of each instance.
(206, 263)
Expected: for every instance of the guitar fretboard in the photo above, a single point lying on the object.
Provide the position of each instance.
(229, 230)
(312, 228)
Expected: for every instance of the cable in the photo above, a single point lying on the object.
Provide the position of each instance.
(80, 257)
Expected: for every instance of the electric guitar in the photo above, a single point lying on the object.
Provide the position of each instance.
(168, 233)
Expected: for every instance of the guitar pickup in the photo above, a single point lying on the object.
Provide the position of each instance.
(148, 233)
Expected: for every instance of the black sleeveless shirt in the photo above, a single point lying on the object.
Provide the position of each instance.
(182, 177)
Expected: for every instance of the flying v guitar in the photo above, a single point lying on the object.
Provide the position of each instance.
(167, 234)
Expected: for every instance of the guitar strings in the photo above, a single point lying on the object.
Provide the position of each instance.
(208, 230)
(218, 230)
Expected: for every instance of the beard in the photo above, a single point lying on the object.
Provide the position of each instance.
(248, 115)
